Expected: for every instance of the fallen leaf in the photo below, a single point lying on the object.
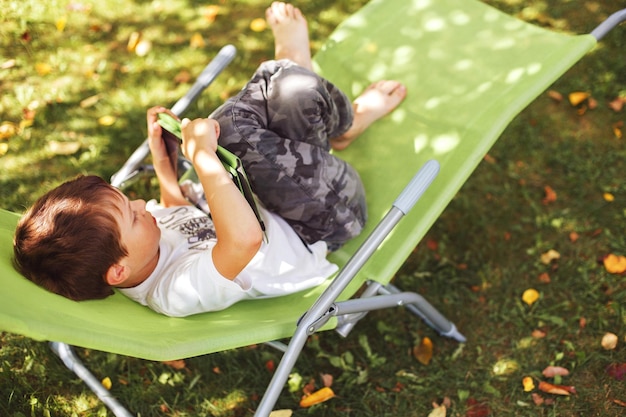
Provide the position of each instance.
(608, 197)
(552, 371)
(270, 366)
(537, 399)
(555, 95)
(319, 396)
(42, 68)
(573, 237)
(530, 296)
(538, 334)
(176, 364)
(197, 41)
(258, 25)
(615, 264)
(106, 383)
(424, 351)
(505, 367)
(556, 389)
(549, 256)
(544, 278)
(281, 413)
(327, 380)
(4, 148)
(106, 120)
(63, 148)
(133, 41)
(577, 97)
(617, 371)
(528, 384)
(60, 23)
(619, 402)
(617, 104)
(211, 12)
(592, 103)
(550, 195)
(8, 64)
(609, 341)
(7, 129)
(438, 411)
(476, 409)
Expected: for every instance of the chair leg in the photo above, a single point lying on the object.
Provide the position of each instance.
(74, 364)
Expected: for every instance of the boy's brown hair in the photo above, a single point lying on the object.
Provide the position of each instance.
(69, 238)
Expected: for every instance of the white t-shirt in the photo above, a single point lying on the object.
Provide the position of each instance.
(186, 282)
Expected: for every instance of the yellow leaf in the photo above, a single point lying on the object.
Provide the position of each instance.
(319, 396)
(281, 413)
(615, 264)
(60, 23)
(608, 197)
(7, 129)
(106, 120)
(106, 383)
(549, 256)
(4, 148)
(424, 351)
(258, 25)
(211, 12)
(578, 97)
(43, 68)
(133, 40)
(197, 41)
(530, 296)
(528, 384)
(505, 367)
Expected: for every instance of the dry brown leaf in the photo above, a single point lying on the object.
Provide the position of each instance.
(550, 195)
(424, 351)
(327, 379)
(555, 95)
(617, 105)
(176, 364)
(544, 278)
(573, 237)
(556, 389)
(552, 371)
(537, 399)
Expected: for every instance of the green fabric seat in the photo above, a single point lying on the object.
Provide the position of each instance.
(469, 70)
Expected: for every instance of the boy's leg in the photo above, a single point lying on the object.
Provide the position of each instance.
(280, 126)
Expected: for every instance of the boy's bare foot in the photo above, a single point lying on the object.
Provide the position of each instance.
(291, 33)
(376, 101)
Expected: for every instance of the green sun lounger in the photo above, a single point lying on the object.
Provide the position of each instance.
(469, 69)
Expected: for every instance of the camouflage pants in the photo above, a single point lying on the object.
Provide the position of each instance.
(280, 125)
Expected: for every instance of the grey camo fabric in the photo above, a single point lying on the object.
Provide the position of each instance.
(279, 125)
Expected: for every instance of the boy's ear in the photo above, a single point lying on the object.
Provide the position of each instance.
(117, 274)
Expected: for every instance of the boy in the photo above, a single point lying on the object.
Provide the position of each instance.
(84, 238)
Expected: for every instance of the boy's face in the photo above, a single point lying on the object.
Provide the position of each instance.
(140, 236)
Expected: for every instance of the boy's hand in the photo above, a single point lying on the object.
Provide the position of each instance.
(155, 132)
(199, 136)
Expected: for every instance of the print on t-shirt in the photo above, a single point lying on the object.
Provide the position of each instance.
(198, 230)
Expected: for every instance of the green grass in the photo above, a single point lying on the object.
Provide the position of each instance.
(488, 241)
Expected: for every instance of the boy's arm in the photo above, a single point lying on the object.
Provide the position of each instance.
(239, 234)
(171, 194)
